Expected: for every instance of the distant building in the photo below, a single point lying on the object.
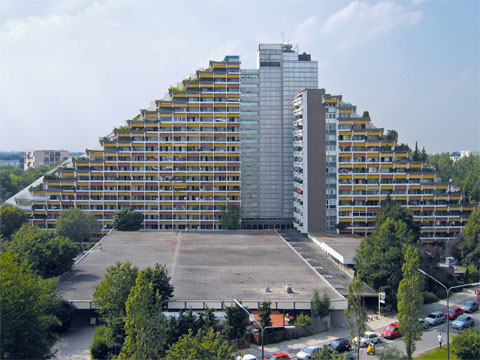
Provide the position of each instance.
(12, 162)
(34, 158)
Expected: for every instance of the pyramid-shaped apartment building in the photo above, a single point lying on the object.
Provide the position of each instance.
(242, 136)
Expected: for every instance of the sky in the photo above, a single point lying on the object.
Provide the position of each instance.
(72, 70)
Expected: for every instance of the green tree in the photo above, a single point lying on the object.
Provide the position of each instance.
(236, 321)
(466, 345)
(470, 246)
(158, 277)
(25, 301)
(320, 307)
(379, 257)
(391, 353)
(11, 219)
(110, 296)
(410, 300)
(101, 343)
(230, 217)
(355, 312)
(265, 308)
(48, 254)
(392, 135)
(145, 324)
(127, 220)
(76, 225)
(206, 344)
(303, 320)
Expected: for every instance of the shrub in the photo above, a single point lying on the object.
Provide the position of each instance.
(64, 311)
(101, 343)
(303, 320)
(466, 345)
(429, 297)
(127, 220)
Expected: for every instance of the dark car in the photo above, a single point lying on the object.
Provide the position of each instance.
(470, 306)
(339, 345)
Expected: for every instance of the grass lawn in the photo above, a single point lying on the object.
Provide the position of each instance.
(437, 354)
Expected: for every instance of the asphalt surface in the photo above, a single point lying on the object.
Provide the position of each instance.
(427, 343)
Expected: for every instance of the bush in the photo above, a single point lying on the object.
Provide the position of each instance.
(127, 220)
(303, 320)
(101, 343)
(64, 311)
(466, 345)
(429, 297)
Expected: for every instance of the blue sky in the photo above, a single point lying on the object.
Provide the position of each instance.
(71, 70)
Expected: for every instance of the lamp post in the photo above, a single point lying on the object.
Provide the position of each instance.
(448, 304)
(251, 317)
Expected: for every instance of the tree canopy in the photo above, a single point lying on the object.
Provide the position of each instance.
(230, 217)
(265, 312)
(127, 220)
(11, 219)
(355, 312)
(410, 300)
(76, 225)
(25, 303)
(111, 294)
(158, 277)
(464, 172)
(145, 324)
(48, 254)
(206, 344)
(466, 345)
(469, 246)
(379, 257)
(12, 180)
(235, 327)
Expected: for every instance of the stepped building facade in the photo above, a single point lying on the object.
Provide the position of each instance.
(344, 167)
(248, 137)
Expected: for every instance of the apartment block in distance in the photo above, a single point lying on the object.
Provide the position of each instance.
(35, 158)
(370, 165)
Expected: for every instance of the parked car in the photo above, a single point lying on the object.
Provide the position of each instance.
(391, 331)
(435, 318)
(470, 306)
(367, 338)
(308, 352)
(462, 322)
(339, 345)
(278, 356)
(423, 323)
(249, 357)
(453, 312)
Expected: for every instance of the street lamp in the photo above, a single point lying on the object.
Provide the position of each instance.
(448, 305)
(251, 317)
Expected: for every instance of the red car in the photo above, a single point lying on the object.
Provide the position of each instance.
(454, 312)
(278, 356)
(391, 331)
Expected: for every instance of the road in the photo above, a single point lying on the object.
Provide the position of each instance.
(428, 341)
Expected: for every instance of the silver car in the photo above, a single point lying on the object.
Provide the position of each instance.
(435, 318)
(308, 352)
(462, 322)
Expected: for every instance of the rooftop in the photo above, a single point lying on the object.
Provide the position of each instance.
(207, 266)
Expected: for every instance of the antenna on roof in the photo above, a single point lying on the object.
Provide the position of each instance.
(283, 37)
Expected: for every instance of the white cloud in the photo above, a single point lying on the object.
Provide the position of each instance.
(305, 33)
(360, 22)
